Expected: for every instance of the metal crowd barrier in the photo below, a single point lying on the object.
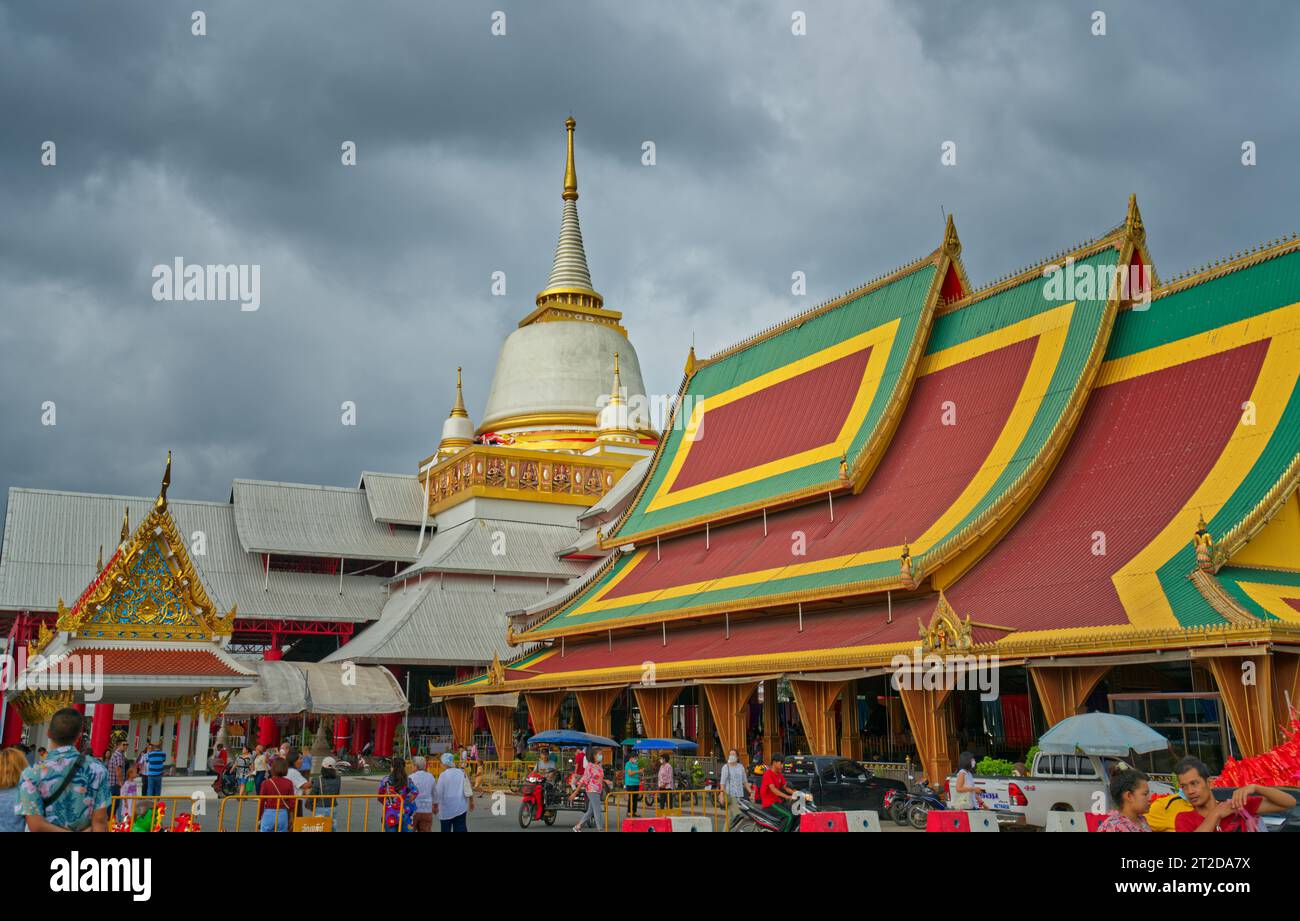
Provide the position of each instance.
(353, 812)
(655, 803)
(489, 776)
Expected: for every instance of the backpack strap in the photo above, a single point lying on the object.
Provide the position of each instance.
(48, 801)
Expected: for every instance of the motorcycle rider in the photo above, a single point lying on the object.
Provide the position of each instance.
(774, 793)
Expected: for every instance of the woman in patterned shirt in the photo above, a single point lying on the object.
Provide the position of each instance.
(1131, 795)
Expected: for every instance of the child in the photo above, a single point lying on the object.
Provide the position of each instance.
(128, 808)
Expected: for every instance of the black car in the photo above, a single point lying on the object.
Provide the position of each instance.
(837, 783)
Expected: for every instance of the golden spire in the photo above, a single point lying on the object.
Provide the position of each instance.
(690, 362)
(166, 481)
(570, 172)
(126, 523)
(99, 563)
(459, 408)
(1133, 225)
(616, 397)
(457, 431)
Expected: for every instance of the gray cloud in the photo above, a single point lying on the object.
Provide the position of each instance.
(775, 154)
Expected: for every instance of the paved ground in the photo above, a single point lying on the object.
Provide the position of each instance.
(492, 812)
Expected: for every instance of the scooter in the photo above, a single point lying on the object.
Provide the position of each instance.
(753, 817)
(921, 802)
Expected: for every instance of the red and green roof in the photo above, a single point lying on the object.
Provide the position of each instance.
(1001, 381)
(769, 422)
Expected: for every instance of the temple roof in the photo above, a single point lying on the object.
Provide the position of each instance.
(394, 498)
(306, 520)
(1191, 425)
(769, 422)
(51, 540)
(497, 546)
(464, 624)
(999, 388)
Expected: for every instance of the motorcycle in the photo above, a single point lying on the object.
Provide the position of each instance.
(542, 797)
(753, 817)
(921, 802)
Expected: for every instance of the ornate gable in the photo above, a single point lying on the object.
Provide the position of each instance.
(149, 589)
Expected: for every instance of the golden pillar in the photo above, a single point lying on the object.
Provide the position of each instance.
(460, 713)
(815, 701)
(544, 708)
(501, 722)
(1247, 689)
(656, 705)
(594, 707)
(771, 744)
(929, 715)
(1062, 690)
(850, 737)
(704, 719)
(729, 704)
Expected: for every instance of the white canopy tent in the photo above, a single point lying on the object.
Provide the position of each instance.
(334, 688)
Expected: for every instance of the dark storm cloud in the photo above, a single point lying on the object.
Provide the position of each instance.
(775, 154)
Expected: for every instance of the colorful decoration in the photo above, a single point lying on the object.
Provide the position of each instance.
(149, 589)
(1277, 768)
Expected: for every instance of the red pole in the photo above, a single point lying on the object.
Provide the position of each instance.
(268, 732)
(13, 728)
(341, 732)
(362, 732)
(101, 729)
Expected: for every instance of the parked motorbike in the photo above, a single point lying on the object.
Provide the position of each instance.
(750, 816)
(922, 801)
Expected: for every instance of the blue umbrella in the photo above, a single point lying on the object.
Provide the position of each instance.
(1101, 734)
(657, 745)
(568, 738)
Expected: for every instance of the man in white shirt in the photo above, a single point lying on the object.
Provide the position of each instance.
(424, 783)
(452, 796)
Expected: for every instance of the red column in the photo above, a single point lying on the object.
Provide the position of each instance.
(80, 708)
(341, 733)
(13, 728)
(101, 729)
(268, 733)
(361, 731)
(384, 726)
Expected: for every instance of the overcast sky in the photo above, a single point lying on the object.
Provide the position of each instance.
(775, 153)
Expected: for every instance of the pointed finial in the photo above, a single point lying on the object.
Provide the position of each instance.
(99, 563)
(951, 242)
(570, 173)
(166, 481)
(1133, 225)
(459, 408)
(690, 362)
(126, 523)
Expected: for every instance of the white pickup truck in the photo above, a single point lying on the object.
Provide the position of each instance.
(1069, 783)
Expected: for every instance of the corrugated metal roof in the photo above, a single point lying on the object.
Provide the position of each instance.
(306, 520)
(394, 498)
(613, 502)
(431, 624)
(508, 548)
(52, 539)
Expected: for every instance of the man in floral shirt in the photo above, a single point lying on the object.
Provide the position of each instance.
(1131, 795)
(50, 803)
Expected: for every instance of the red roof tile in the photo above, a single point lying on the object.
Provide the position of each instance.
(128, 661)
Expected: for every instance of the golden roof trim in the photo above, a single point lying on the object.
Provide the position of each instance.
(1273, 501)
(1218, 598)
(1015, 648)
(1210, 271)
